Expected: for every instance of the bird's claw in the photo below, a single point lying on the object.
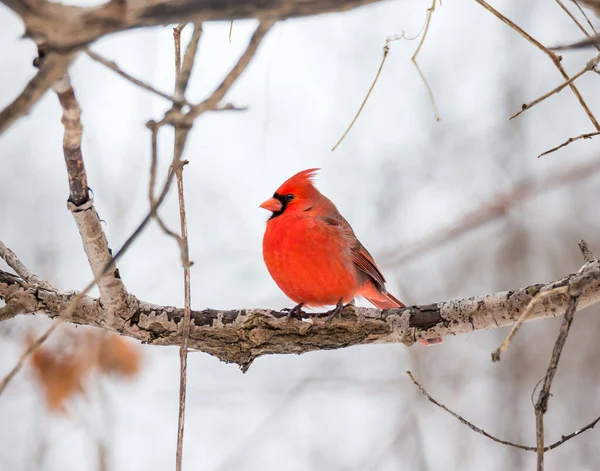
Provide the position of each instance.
(335, 312)
(295, 312)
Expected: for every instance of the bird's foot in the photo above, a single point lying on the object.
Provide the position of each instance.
(336, 311)
(295, 312)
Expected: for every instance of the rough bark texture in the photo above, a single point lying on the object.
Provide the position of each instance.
(240, 336)
(64, 27)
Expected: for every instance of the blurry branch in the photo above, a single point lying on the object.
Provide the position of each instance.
(585, 16)
(66, 27)
(594, 5)
(386, 50)
(555, 58)
(115, 68)
(113, 295)
(590, 65)
(568, 141)
(475, 428)
(528, 188)
(575, 20)
(242, 335)
(27, 353)
(51, 69)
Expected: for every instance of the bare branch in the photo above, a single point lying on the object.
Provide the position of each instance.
(67, 27)
(588, 256)
(590, 65)
(523, 191)
(20, 269)
(476, 429)
(386, 50)
(242, 335)
(112, 291)
(555, 59)
(115, 68)
(211, 103)
(541, 405)
(51, 69)
(568, 141)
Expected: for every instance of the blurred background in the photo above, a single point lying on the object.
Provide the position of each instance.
(399, 177)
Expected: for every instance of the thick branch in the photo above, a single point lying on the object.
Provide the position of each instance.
(112, 291)
(65, 27)
(240, 336)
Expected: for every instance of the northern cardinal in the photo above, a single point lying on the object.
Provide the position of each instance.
(312, 253)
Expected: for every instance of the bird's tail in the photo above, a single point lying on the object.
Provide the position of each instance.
(388, 301)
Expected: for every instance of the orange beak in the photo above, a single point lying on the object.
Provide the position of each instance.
(272, 204)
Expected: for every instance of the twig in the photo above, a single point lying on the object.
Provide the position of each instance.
(541, 405)
(181, 82)
(386, 50)
(27, 353)
(526, 313)
(575, 20)
(430, 11)
(590, 65)
(183, 75)
(230, 30)
(211, 103)
(585, 16)
(568, 141)
(52, 67)
(20, 269)
(146, 86)
(555, 59)
(588, 256)
(556, 444)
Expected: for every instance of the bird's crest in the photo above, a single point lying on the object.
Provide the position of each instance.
(301, 181)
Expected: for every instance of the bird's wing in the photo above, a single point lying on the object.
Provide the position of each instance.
(361, 257)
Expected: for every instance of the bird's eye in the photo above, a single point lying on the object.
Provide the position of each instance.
(289, 197)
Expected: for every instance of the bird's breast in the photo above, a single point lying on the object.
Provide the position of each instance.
(310, 260)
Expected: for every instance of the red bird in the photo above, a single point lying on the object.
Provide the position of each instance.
(312, 253)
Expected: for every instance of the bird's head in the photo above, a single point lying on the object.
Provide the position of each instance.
(295, 194)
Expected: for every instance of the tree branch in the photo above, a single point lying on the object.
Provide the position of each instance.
(65, 27)
(113, 295)
(240, 336)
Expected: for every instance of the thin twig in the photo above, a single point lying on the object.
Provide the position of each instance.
(588, 256)
(181, 82)
(430, 11)
(555, 58)
(526, 313)
(541, 405)
(52, 67)
(585, 16)
(211, 103)
(27, 353)
(146, 86)
(590, 65)
(386, 50)
(575, 20)
(230, 30)
(183, 77)
(556, 444)
(20, 269)
(568, 141)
